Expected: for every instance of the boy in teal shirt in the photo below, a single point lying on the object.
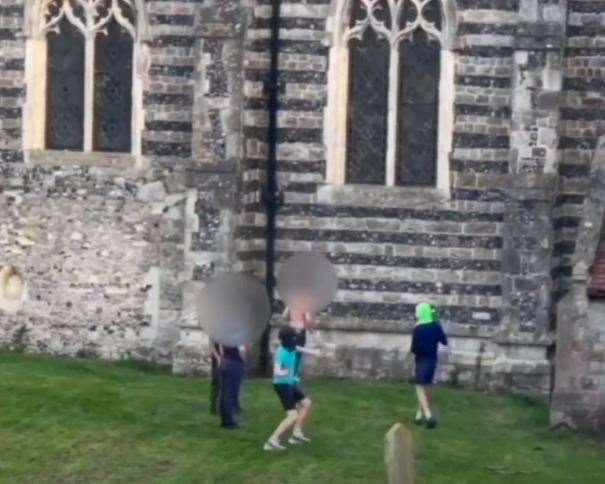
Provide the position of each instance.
(285, 383)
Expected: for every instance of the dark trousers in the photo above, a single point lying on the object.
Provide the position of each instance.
(215, 385)
(232, 373)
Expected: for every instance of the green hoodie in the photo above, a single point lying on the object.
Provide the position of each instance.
(426, 313)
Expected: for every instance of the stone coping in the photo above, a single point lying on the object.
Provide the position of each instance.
(124, 161)
(496, 335)
(51, 158)
(534, 187)
(378, 195)
(194, 166)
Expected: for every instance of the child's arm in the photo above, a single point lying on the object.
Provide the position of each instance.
(414, 346)
(243, 351)
(443, 337)
(309, 351)
(279, 370)
(214, 351)
(307, 319)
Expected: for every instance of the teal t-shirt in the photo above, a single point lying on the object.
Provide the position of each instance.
(287, 360)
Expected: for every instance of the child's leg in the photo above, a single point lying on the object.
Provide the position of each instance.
(229, 383)
(304, 409)
(419, 414)
(284, 425)
(240, 379)
(423, 401)
(214, 386)
(429, 396)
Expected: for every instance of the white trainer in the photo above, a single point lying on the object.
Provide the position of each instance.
(298, 438)
(270, 445)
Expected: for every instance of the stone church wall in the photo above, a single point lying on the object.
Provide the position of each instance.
(109, 253)
(579, 397)
(495, 254)
(483, 258)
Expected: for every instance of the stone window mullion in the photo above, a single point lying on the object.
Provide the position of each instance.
(89, 88)
(393, 115)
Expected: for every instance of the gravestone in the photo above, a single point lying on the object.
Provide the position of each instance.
(399, 455)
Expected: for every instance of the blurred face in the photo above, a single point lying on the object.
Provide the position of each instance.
(303, 302)
(300, 318)
(307, 282)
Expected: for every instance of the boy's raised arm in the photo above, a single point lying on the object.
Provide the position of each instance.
(309, 351)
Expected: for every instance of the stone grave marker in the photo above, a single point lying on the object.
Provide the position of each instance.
(399, 455)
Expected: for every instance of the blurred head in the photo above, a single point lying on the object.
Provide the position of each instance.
(287, 338)
(300, 319)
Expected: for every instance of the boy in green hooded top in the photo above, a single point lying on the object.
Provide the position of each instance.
(426, 337)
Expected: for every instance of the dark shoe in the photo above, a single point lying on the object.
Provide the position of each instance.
(431, 423)
(232, 426)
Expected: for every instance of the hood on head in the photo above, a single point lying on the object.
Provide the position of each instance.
(426, 313)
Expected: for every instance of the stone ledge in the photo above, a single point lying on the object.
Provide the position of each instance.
(381, 196)
(194, 167)
(496, 335)
(51, 158)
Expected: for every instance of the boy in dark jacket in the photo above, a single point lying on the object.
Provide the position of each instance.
(231, 371)
(426, 337)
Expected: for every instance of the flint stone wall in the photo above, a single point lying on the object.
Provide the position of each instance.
(579, 397)
(108, 244)
(113, 252)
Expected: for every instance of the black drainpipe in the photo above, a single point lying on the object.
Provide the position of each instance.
(272, 196)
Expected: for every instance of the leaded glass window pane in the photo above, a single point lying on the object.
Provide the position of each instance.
(367, 113)
(113, 89)
(418, 110)
(65, 89)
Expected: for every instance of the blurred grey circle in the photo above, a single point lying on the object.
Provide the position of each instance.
(307, 282)
(234, 309)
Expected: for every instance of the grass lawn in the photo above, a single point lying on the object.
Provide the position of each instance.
(68, 421)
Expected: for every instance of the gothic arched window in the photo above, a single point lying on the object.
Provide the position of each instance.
(82, 79)
(388, 69)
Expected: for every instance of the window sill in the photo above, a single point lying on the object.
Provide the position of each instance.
(80, 158)
(382, 196)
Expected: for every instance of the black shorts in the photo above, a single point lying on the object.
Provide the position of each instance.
(425, 371)
(289, 395)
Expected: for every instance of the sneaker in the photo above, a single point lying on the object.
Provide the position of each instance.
(270, 445)
(431, 423)
(299, 438)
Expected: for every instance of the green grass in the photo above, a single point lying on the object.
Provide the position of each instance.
(78, 421)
